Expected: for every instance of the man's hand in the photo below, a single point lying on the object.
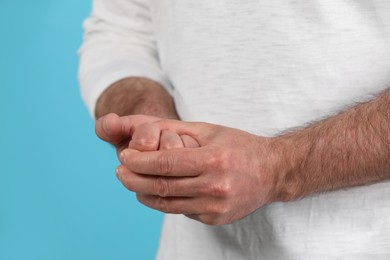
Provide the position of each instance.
(231, 175)
(118, 131)
(131, 96)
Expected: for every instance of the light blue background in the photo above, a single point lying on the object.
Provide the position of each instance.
(59, 197)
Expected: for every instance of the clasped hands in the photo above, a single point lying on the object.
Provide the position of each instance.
(210, 173)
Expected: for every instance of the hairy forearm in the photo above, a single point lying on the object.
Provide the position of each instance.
(346, 150)
(132, 96)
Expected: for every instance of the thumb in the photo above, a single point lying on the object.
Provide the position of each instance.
(118, 130)
(109, 129)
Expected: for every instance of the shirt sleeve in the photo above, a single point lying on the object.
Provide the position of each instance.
(119, 42)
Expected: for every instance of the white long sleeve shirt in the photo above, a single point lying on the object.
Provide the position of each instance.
(263, 67)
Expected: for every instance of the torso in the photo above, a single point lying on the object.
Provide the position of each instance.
(264, 67)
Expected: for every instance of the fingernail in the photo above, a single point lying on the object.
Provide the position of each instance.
(122, 157)
(118, 172)
(105, 126)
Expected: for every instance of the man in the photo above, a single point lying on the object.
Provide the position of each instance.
(293, 159)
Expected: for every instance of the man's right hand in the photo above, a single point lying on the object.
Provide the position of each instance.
(131, 96)
(118, 131)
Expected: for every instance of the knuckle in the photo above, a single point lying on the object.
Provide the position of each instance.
(165, 164)
(223, 209)
(161, 187)
(167, 146)
(219, 209)
(164, 123)
(147, 143)
(222, 189)
(220, 161)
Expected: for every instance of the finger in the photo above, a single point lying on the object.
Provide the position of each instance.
(192, 216)
(172, 205)
(200, 132)
(208, 219)
(109, 128)
(146, 137)
(130, 123)
(189, 142)
(114, 129)
(170, 140)
(160, 186)
(173, 163)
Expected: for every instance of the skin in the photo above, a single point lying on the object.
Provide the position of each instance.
(133, 96)
(222, 174)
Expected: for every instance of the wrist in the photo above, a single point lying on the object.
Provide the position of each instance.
(155, 109)
(288, 178)
(132, 96)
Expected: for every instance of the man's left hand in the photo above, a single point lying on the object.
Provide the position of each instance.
(229, 176)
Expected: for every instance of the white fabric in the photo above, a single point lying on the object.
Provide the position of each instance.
(264, 67)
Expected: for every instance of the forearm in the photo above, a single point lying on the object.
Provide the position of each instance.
(132, 96)
(346, 150)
